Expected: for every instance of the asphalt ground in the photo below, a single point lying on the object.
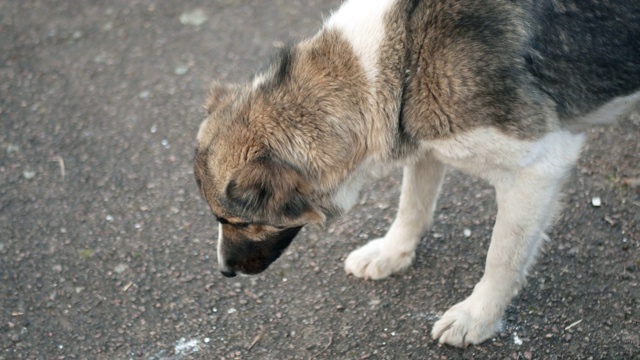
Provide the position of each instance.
(108, 252)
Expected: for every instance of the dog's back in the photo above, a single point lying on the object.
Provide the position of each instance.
(584, 53)
(522, 66)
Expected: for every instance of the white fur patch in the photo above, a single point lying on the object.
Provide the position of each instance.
(221, 262)
(347, 194)
(611, 111)
(395, 252)
(258, 80)
(378, 259)
(361, 22)
(490, 154)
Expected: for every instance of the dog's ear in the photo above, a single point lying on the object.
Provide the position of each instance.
(272, 190)
(220, 94)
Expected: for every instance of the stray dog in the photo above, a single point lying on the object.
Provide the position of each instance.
(496, 88)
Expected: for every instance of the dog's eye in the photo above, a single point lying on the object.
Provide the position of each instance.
(240, 225)
(237, 225)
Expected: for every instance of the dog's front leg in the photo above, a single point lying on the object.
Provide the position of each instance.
(527, 201)
(395, 252)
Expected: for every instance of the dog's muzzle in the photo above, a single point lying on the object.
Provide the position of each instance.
(240, 252)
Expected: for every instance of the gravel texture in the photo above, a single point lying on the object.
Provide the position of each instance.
(108, 252)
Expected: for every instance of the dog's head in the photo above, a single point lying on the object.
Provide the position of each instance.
(260, 199)
(276, 154)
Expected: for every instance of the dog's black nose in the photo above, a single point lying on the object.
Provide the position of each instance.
(228, 273)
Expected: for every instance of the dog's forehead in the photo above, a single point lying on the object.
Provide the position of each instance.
(212, 129)
(216, 143)
(212, 168)
(224, 115)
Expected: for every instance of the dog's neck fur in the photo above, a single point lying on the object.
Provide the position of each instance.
(376, 32)
(354, 69)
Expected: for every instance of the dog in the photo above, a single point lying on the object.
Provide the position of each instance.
(500, 89)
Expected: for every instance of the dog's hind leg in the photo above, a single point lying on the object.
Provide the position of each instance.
(527, 201)
(395, 252)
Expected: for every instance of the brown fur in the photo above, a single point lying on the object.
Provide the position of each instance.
(466, 71)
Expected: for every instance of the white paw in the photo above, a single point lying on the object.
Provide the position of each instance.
(376, 261)
(469, 322)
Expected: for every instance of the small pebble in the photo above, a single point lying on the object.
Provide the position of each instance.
(596, 201)
(101, 58)
(195, 17)
(516, 339)
(467, 232)
(12, 148)
(120, 268)
(29, 175)
(109, 218)
(181, 70)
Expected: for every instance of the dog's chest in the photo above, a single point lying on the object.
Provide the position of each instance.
(490, 154)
